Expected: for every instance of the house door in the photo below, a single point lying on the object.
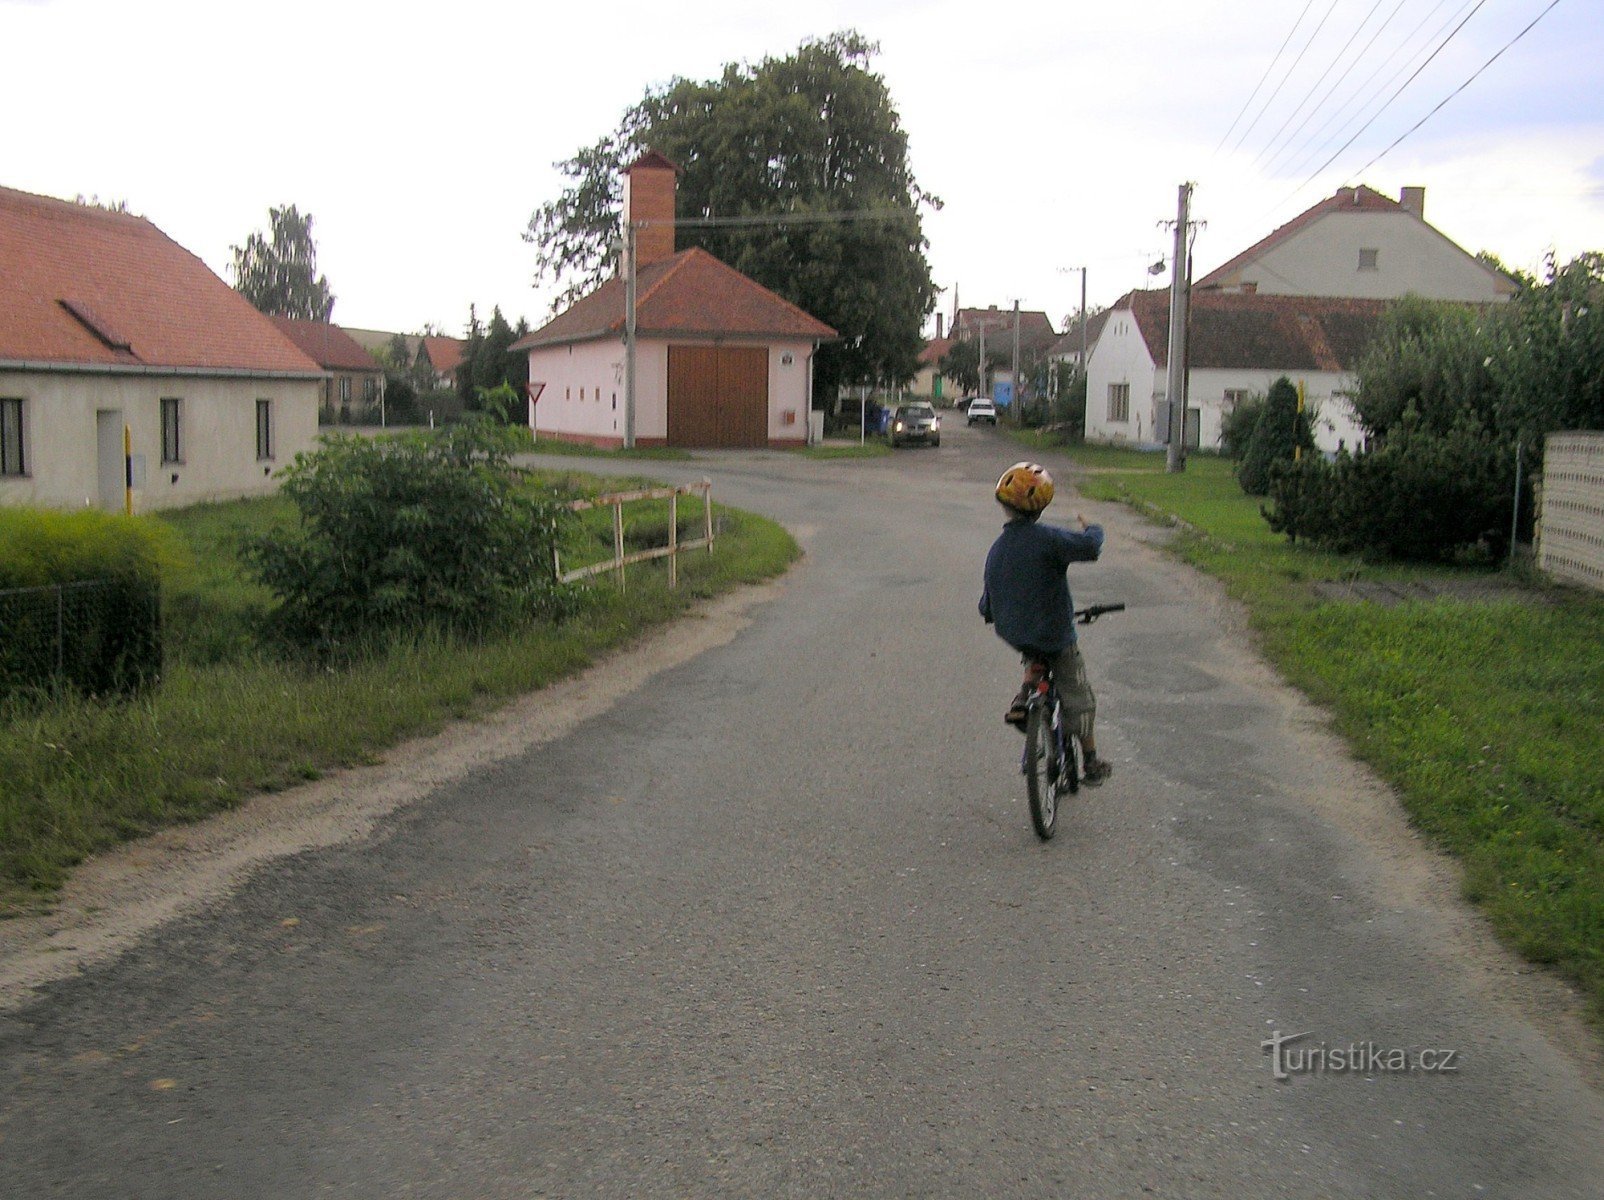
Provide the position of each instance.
(110, 466)
(718, 396)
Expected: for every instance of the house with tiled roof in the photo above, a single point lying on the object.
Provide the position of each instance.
(928, 381)
(107, 325)
(442, 356)
(1241, 343)
(354, 375)
(1361, 244)
(720, 360)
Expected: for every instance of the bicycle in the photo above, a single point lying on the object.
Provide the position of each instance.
(1053, 761)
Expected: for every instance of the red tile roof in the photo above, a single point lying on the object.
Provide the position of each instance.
(935, 350)
(692, 294)
(1036, 330)
(444, 353)
(1244, 331)
(87, 287)
(327, 345)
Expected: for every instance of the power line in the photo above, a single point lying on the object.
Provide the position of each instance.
(1358, 58)
(1460, 88)
(1394, 96)
(1310, 94)
(1363, 90)
(819, 218)
(1287, 76)
(1308, 4)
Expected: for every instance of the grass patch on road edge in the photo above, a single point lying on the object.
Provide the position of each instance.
(80, 775)
(1483, 716)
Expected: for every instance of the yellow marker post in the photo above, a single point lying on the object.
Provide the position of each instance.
(1297, 446)
(128, 472)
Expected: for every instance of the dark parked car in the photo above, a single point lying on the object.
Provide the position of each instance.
(914, 423)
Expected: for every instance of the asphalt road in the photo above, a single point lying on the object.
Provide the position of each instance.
(775, 924)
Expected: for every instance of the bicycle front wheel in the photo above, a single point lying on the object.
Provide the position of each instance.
(1039, 785)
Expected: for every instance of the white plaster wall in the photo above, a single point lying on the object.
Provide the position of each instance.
(1323, 390)
(1323, 260)
(1120, 356)
(217, 436)
(584, 393)
(788, 391)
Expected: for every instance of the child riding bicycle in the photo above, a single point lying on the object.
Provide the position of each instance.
(1026, 597)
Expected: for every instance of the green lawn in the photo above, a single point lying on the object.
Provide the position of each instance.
(232, 718)
(1485, 716)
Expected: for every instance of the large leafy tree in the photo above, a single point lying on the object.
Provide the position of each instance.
(813, 137)
(277, 271)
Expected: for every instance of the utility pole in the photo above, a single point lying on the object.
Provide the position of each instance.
(1175, 460)
(982, 325)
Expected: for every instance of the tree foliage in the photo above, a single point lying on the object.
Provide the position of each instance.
(423, 530)
(1447, 392)
(277, 272)
(811, 135)
(488, 363)
(1279, 435)
(961, 364)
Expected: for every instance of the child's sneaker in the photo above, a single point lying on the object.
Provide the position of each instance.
(1097, 770)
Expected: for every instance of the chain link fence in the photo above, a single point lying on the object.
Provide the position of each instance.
(97, 636)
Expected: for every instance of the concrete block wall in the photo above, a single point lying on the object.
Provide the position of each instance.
(1570, 543)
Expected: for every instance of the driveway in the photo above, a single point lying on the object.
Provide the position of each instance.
(769, 920)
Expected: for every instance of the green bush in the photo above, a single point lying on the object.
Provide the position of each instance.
(1422, 495)
(424, 530)
(1237, 426)
(99, 629)
(1278, 434)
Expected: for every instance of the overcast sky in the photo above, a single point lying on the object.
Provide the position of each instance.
(421, 137)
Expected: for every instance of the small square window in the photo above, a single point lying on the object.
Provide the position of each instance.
(1367, 259)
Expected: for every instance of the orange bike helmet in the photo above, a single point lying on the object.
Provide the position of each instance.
(1026, 487)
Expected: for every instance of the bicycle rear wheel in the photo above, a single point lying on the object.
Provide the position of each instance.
(1043, 791)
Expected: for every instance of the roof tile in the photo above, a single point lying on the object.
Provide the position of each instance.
(88, 287)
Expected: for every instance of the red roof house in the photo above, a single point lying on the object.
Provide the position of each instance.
(1240, 343)
(105, 324)
(353, 373)
(720, 360)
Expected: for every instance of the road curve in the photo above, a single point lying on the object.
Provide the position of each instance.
(771, 922)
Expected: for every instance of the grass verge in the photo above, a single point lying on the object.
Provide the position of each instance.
(1484, 716)
(873, 448)
(230, 719)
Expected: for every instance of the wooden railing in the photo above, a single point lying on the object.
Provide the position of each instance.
(620, 560)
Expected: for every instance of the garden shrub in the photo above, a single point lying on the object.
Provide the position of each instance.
(1237, 426)
(1421, 495)
(1279, 433)
(434, 530)
(99, 627)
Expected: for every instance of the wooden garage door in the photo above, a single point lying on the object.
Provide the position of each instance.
(718, 396)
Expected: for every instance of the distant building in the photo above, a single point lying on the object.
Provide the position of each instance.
(354, 375)
(720, 360)
(107, 323)
(1362, 245)
(1240, 344)
(442, 356)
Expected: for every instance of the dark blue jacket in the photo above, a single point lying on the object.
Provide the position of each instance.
(1026, 594)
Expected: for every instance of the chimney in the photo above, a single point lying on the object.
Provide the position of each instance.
(1413, 199)
(649, 186)
(938, 326)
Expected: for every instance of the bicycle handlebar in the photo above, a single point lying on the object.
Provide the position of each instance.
(1089, 614)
